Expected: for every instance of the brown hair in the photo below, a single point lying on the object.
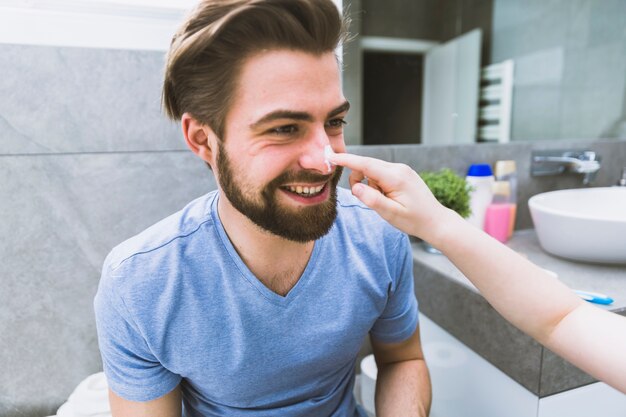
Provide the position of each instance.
(207, 52)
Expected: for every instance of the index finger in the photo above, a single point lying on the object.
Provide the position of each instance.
(373, 168)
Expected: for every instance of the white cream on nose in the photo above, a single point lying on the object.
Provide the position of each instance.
(328, 152)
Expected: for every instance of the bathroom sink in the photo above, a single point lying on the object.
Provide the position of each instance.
(587, 224)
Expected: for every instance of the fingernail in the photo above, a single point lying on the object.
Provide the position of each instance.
(357, 189)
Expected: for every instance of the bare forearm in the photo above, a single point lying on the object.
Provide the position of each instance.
(515, 287)
(594, 340)
(403, 389)
(538, 303)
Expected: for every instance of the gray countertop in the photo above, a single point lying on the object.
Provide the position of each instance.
(453, 302)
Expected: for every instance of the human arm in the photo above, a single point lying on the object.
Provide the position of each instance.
(403, 383)
(590, 338)
(168, 405)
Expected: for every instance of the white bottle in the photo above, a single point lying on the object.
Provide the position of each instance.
(481, 178)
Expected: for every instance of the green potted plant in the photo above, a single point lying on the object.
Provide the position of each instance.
(450, 190)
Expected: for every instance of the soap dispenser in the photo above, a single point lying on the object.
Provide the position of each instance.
(507, 171)
(498, 213)
(480, 178)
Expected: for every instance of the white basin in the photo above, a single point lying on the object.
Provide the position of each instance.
(587, 224)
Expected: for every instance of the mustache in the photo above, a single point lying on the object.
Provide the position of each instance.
(299, 176)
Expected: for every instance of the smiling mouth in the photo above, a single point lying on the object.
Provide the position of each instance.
(304, 191)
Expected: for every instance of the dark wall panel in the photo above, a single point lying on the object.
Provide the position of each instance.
(392, 94)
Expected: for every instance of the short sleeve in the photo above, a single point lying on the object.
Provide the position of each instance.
(132, 371)
(400, 317)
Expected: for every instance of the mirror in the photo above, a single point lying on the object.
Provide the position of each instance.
(416, 78)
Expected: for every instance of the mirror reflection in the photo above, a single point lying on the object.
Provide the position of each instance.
(472, 71)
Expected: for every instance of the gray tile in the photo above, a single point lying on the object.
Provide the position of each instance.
(61, 215)
(578, 23)
(511, 22)
(58, 99)
(549, 29)
(600, 67)
(536, 112)
(459, 158)
(607, 21)
(506, 14)
(590, 112)
(612, 153)
(543, 67)
(433, 158)
(467, 316)
(504, 42)
(558, 375)
(375, 151)
(587, 101)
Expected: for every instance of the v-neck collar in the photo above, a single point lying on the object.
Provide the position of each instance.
(250, 278)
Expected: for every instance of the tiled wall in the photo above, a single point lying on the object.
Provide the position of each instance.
(87, 160)
(458, 158)
(570, 61)
(57, 100)
(569, 56)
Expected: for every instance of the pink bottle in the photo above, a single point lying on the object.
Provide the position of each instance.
(498, 213)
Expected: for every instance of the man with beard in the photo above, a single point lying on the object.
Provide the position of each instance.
(255, 299)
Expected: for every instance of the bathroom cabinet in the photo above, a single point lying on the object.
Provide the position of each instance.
(481, 362)
(464, 384)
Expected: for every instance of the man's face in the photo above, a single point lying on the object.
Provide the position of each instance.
(270, 165)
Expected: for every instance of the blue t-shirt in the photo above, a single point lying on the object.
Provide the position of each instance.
(177, 305)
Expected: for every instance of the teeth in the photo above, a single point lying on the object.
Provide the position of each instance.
(305, 190)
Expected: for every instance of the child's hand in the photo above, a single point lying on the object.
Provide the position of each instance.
(395, 191)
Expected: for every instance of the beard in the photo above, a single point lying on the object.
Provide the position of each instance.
(298, 224)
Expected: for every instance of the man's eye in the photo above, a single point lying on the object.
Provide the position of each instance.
(336, 123)
(285, 130)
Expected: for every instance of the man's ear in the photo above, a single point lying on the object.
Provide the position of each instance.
(199, 137)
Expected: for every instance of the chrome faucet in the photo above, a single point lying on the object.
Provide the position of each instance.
(559, 162)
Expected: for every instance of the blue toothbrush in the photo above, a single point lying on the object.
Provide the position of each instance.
(594, 297)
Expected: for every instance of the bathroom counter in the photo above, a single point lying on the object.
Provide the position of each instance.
(453, 302)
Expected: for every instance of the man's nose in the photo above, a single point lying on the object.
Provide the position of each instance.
(312, 156)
